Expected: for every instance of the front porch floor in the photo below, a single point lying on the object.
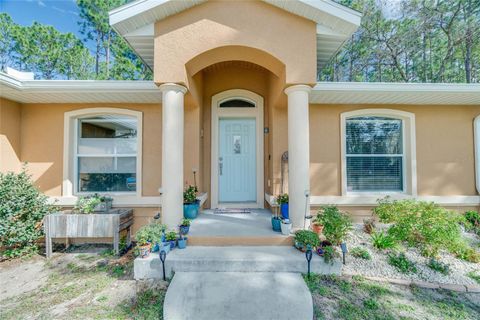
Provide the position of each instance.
(255, 228)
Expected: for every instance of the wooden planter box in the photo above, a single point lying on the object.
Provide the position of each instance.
(97, 225)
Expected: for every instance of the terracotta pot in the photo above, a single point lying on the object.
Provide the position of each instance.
(145, 251)
(317, 228)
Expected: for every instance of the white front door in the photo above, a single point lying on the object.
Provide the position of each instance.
(237, 161)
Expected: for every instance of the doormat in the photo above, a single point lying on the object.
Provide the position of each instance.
(231, 211)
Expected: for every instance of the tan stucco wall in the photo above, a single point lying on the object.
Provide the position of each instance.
(10, 120)
(272, 34)
(444, 139)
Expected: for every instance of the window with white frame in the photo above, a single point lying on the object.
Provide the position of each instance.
(106, 148)
(378, 152)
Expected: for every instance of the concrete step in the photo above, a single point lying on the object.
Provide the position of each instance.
(215, 241)
(232, 259)
(237, 296)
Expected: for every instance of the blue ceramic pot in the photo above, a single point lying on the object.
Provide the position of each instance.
(276, 224)
(184, 229)
(155, 247)
(172, 244)
(284, 210)
(190, 210)
(182, 243)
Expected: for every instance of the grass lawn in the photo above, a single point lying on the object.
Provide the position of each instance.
(335, 298)
(78, 286)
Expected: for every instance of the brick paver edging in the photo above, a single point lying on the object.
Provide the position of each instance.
(422, 284)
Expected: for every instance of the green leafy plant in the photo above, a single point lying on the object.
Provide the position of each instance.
(307, 238)
(171, 236)
(361, 253)
(336, 224)
(330, 254)
(421, 224)
(282, 198)
(22, 209)
(185, 222)
(438, 266)
(463, 251)
(87, 204)
(382, 241)
(151, 232)
(402, 263)
(472, 221)
(190, 195)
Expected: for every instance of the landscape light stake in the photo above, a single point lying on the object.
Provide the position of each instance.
(343, 245)
(163, 255)
(307, 215)
(308, 256)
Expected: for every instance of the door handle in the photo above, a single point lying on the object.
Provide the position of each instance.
(220, 166)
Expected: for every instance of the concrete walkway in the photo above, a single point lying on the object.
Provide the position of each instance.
(238, 295)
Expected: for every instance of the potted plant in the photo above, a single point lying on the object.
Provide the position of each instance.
(185, 226)
(93, 203)
(317, 225)
(286, 227)
(306, 239)
(336, 224)
(182, 242)
(156, 235)
(143, 245)
(282, 201)
(190, 203)
(171, 237)
(276, 222)
(321, 249)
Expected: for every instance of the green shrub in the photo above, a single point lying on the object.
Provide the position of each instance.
(421, 224)
(472, 221)
(330, 254)
(361, 253)
(439, 266)
(22, 208)
(307, 238)
(87, 204)
(336, 224)
(402, 263)
(382, 241)
(463, 251)
(475, 275)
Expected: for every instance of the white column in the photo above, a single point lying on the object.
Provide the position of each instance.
(298, 152)
(172, 153)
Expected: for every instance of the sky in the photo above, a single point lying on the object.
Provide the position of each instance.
(62, 14)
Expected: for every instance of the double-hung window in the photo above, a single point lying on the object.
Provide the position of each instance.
(106, 153)
(374, 155)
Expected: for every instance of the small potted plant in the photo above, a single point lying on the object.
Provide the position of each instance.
(306, 239)
(321, 249)
(182, 242)
(276, 223)
(317, 225)
(143, 245)
(190, 203)
(286, 227)
(171, 237)
(282, 201)
(87, 204)
(185, 226)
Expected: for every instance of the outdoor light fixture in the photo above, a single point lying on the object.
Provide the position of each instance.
(163, 256)
(307, 215)
(343, 245)
(308, 256)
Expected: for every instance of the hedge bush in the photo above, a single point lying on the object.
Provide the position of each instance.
(22, 208)
(425, 225)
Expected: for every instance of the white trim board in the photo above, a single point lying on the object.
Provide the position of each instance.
(118, 201)
(256, 113)
(476, 129)
(370, 201)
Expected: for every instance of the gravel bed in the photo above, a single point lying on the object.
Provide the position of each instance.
(378, 265)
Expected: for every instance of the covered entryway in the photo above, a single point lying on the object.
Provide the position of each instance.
(237, 150)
